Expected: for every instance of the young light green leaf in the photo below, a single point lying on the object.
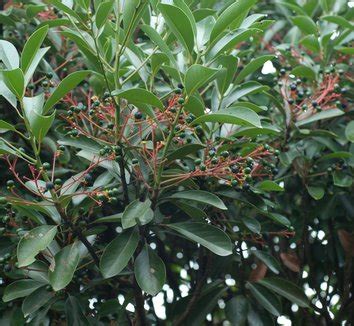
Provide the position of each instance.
(34, 63)
(150, 271)
(31, 48)
(234, 115)
(65, 86)
(15, 81)
(252, 67)
(316, 193)
(102, 13)
(340, 21)
(305, 24)
(179, 24)
(41, 125)
(266, 298)
(197, 76)
(9, 55)
(5, 126)
(19, 289)
(304, 71)
(33, 242)
(286, 289)
(65, 264)
(268, 185)
(200, 196)
(237, 10)
(205, 234)
(36, 300)
(138, 97)
(137, 211)
(117, 254)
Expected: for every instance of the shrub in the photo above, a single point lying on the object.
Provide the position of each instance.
(178, 162)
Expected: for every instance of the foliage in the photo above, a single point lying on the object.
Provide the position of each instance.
(195, 154)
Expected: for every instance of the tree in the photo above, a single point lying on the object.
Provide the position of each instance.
(192, 153)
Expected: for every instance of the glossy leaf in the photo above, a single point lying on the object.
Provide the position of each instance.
(207, 235)
(9, 55)
(117, 254)
(20, 289)
(102, 13)
(200, 196)
(138, 97)
(65, 86)
(150, 271)
(305, 24)
(286, 289)
(269, 185)
(137, 212)
(36, 300)
(15, 81)
(34, 242)
(197, 76)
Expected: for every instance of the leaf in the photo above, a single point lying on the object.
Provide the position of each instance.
(231, 14)
(150, 271)
(15, 81)
(41, 125)
(291, 261)
(236, 310)
(182, 151)
(5, 126)
(316, 193)
(207, 235)
(305, 24)
(65, 86)
(157, 39)
(197, 76)
(252, 67)
(226, 75)
(19, 289)
(36, 300)
(304, 71)
(117, 254)
(138, 97)
(341, 179)
(268, 259)
(267, 299)
(34, 242)
(74, 312)
(320, 116)
(269, 185)
(137, 211)
(9, 55)
(286, 289)
(349, 131)
(66, 9)
(339, 20)
(200, 196)
(179, 24)
(66, 261)
(252, 224)
(34, 63)
(244, 89)
(31, 48)
(102, 13)
(234, 115)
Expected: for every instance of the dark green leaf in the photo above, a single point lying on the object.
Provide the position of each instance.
(197, 76)
(19, 289)
(137, 212)
(138, 97)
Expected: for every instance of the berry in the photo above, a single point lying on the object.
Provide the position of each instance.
(198, 161)
(245, 186)
(181, 100)
(225, 154)
(314, 104)
(293, 87)
(212, 153)
(46, 166)
(49, 185)
(247, 170)
(88, 177)
(178, 91)
(135, 161)
(138, 115)
(61, 148)
(234, 183)
(202, 167)
(282, 71)
(58, 182)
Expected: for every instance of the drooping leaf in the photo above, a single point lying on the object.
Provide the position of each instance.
(305, 24)
(117, 254)
(266, 298)
(102, 12)
(268, 259)
(15, 81)
(65, 263)
(150, 271)
(269, 185)
(320, 116)
(19, 289)
(316, 193)
(286, 289)
(9, 55)
(36, 300)
(349, 131)
(207, 235)
(200, 196)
